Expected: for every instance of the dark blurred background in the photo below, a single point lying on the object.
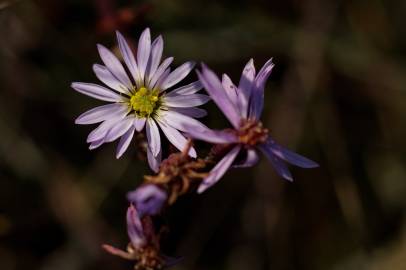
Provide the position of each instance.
(337, 95)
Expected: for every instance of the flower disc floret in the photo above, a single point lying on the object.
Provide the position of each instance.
(144, 102)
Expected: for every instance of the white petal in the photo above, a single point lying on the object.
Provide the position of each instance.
(124, 142)
(158, 73)
(101, 131)
(175, 137)
(119, 129)
(178, 121)
(191, 88)
(154, 162)
(129, 58)
(155, 58)
(164, 75)
(192, 112)
(96, 144)
(154, 140)
(104, 75)
(96, 91)
(139, 123)
(101, 113)
(178, 74)
(186, 101)
(114, 65)
(143, 51)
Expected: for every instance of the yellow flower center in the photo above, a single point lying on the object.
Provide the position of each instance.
(144, 101)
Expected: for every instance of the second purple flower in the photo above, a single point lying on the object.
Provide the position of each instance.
(243, 107)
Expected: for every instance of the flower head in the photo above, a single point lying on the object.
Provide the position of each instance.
(243, 107)
(148, 199)
(144, 246)
(141, 99)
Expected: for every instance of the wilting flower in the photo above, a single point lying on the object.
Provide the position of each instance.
(141, 99)
(243, 107)
(144, 246)
(148, 199)
(178, 174)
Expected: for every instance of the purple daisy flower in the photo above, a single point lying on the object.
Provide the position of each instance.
(148, 199)
(243, 107)
(141, 99)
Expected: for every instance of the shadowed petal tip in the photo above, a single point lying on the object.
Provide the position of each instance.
(204, 66)
(100, 46)
(74, 85)
(77, 121)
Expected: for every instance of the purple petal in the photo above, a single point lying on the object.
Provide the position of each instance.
(211, 136)
(175, 137)
(214, 87)
(114, 65)
(177, 75)
(96, 91)
(104, 75)
(148, 199)
(245, 87)
(230, 89)
(124, 142)
(139, 123)
(257, 99)
(154, 162)
(192, 112)
(143, 51)
(185, 101)
(158, 73)
(177, 121)
(119, 129)
(154, 140)
(191, 88)
(289, 156)
(277, 163)
(155, 58)
(129, 59)
(251, 159)
(101, 113)
(219, 170)
(134, 228)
